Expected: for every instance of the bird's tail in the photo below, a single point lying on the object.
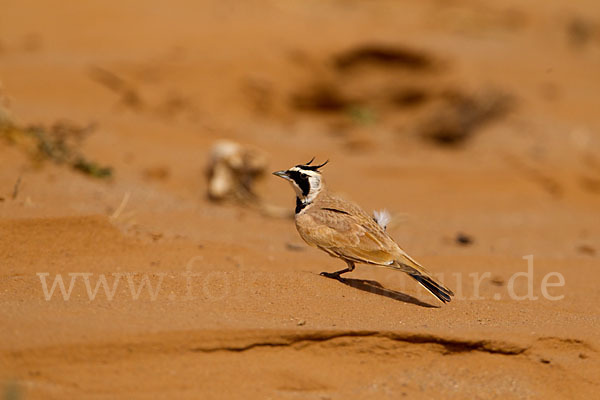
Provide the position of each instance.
(438, 290)
(421, 275)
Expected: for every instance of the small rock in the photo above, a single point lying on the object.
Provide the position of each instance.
(294, 247)
(586, 249)
(463, 239)
(497, 281)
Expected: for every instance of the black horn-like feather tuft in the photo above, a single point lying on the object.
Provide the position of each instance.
(311, 167)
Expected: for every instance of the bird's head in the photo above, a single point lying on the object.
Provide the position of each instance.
(306, 179)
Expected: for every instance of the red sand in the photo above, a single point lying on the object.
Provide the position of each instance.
(261, 322)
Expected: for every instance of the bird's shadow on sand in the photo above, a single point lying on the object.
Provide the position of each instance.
(376, 288)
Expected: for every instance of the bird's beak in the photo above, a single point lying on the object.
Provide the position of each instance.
(282, 174)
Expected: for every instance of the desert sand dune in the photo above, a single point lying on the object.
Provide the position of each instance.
(474, 123)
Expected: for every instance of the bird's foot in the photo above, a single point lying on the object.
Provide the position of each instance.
(332, 275)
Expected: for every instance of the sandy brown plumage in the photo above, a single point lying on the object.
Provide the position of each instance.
(343, 230)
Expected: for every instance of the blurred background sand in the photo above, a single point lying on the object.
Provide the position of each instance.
(474, 122)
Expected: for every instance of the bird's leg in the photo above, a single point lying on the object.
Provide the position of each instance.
(336, 274)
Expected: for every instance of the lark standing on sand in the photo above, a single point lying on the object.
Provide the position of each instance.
(343, 230)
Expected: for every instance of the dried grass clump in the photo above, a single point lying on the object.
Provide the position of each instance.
(58, 143)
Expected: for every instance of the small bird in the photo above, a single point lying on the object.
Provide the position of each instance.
(343, 230)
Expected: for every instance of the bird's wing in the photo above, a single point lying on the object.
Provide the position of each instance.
(343, 229)
(352, 235)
